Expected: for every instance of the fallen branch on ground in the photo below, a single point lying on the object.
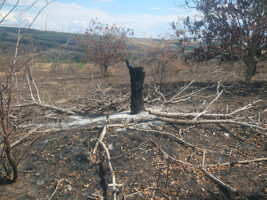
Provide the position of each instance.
(173, 99)
(51, 107)
(237, 162)
(62, 110)
(58, 183)
(101, 137)
(219, 182)
(133, 194)
(38, 102)
(131, 151)
(213, 178)
(181, 114)
(202, 114)
(24, 137)
(113, 185)
(217, 121)
(207, 108)
(246, 107)
(168, 135)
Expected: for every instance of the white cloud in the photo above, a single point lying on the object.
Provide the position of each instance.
(75, 18)
(10, 16)
(104, 0)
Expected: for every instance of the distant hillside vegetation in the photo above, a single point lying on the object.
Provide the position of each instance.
(41, 40)
(45, 40)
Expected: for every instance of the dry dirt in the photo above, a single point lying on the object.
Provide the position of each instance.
(62, 161)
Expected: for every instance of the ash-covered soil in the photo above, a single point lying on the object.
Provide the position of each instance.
(61, 163)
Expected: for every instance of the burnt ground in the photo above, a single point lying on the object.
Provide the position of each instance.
(137, 157)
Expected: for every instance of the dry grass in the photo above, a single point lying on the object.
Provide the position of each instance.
(118, 74)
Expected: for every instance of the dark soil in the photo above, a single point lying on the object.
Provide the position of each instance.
(139, 164)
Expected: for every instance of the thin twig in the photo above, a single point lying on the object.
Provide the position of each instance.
(113, 185)
(62, 110)
(24, 137)
(126, 153)
(58, 183)
(218, 181)
(206, 109)
(203, 159)
(169, 135)
(245, 107)
(237, 162)
(215, 179)
(172, 158)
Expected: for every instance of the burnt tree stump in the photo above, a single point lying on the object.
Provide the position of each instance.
(137, 75)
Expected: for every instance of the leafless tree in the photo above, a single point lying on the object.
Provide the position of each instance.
(159, 57)
(7, 87)
(104, 44)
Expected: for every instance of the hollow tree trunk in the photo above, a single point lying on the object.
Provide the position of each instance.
(137, 75)
(250, 67)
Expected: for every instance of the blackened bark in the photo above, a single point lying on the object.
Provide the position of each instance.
(137, 75)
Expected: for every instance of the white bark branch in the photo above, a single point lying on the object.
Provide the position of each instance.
(216, 121)
(212, 102)
(244, 108)
(114, 186)
(101, 137)
(181, 114)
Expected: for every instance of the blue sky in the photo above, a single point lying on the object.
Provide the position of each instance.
(156, 7)
(148, 18)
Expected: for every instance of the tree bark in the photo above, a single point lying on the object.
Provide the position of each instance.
(250, 65)
(137, 75)
(9, 153)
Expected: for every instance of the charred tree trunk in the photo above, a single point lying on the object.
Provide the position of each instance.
(137, 75)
